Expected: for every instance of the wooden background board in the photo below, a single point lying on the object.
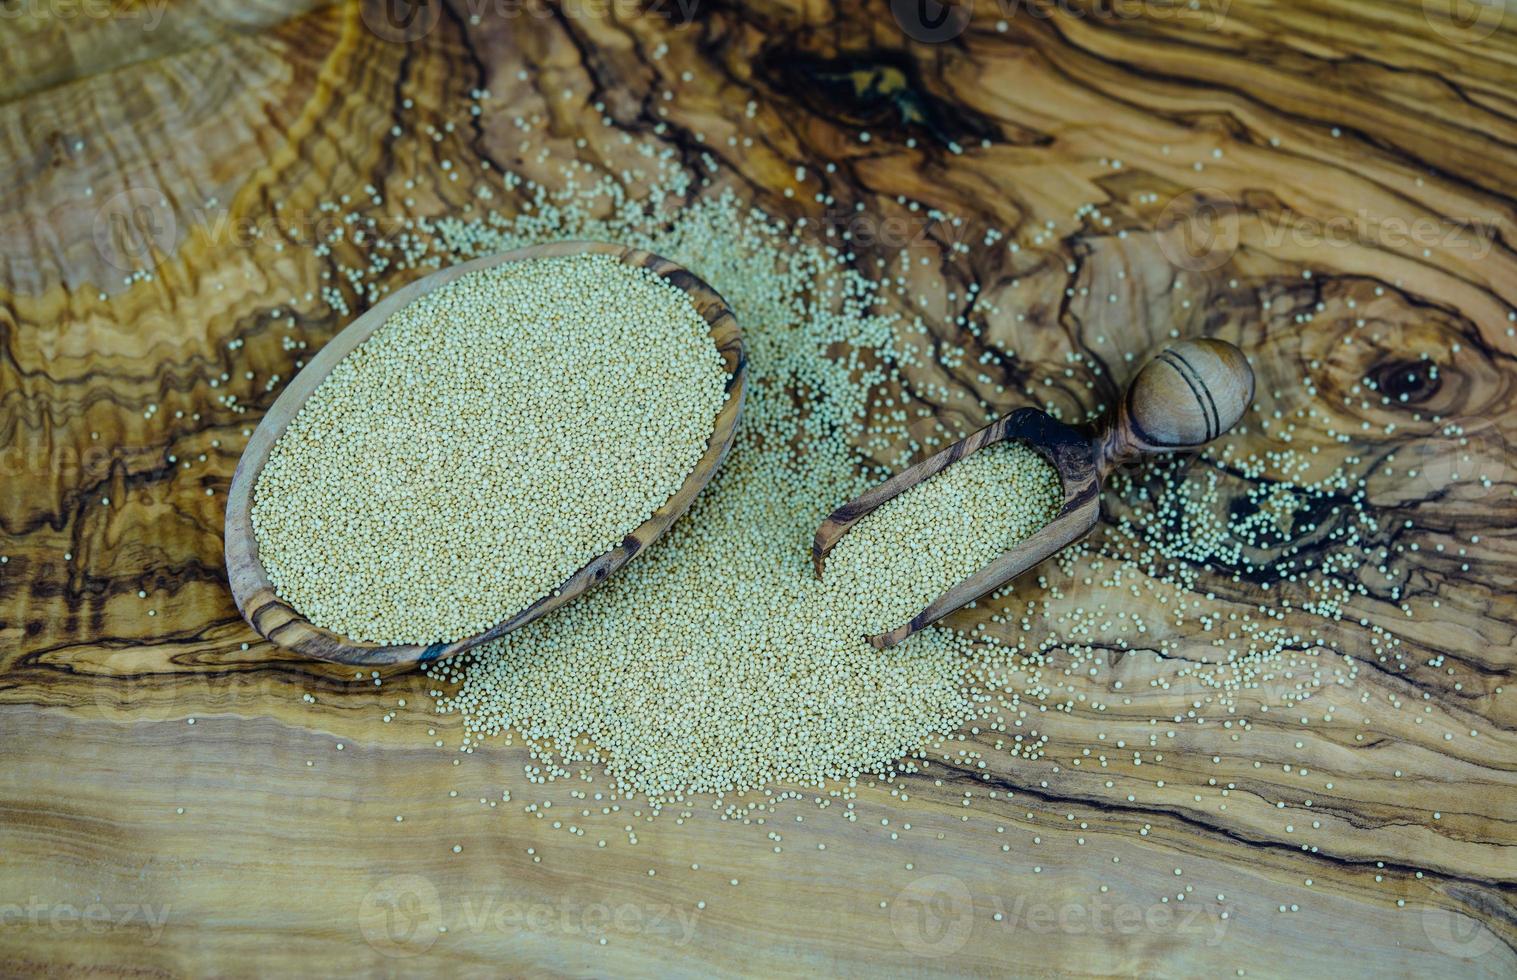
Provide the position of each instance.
(172, 804)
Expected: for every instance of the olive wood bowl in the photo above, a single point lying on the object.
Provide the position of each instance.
(277, 621)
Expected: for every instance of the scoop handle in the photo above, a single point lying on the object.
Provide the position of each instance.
(1188, 395)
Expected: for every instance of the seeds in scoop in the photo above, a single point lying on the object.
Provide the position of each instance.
(484, 444)
(914, 547)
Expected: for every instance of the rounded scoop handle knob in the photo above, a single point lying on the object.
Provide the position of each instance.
(1188, 395)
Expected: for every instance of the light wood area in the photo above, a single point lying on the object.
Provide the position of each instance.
(1330, 185)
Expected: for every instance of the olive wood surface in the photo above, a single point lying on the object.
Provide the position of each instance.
(1324, 137)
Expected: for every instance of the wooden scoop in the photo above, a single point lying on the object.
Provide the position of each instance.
(278, 621)
(1185, 397)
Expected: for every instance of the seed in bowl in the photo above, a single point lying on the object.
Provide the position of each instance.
(486, 442)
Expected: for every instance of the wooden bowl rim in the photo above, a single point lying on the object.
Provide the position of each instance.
(277, 621)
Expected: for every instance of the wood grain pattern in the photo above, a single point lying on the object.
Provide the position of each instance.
(1188, 395)
(1356, 163)
(278, 621)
